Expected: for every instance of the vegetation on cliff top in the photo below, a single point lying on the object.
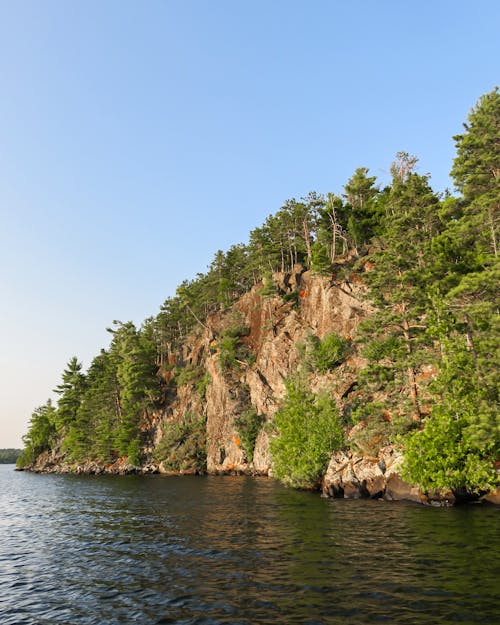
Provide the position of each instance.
(431, 265)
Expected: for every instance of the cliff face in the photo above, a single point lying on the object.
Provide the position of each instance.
(252, 381)
(275, 328)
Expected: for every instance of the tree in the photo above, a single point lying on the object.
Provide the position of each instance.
(40, 436)
(92, 432)
(398, 283)
(70, 392)
(460, 441)
(361, 193)
(309, 430)
(476, 170)
(138, 384)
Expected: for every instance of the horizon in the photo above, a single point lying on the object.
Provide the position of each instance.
(139, 140)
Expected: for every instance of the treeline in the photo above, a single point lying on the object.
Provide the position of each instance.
(431, 263)
(9, 456)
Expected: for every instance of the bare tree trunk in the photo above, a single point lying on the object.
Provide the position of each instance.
(196, 317)
(412, 381)
(307, 240)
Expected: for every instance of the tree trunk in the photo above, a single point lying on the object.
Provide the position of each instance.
(412, 381)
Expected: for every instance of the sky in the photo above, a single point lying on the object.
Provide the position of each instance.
(138, 138)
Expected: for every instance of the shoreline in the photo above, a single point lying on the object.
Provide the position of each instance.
(394, 488)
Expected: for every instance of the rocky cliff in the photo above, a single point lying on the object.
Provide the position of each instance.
(199, 428)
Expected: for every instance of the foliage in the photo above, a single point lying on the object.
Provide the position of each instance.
(446, 452)
(188, 375)
(9, 456)
(362, 208)
(183, 446)
(268, 288)
(309, 430)
(460, 442)
(202, 384)
(71, 391)
(194, 375)
(323, 355)
(248, 425)
(232, 351)
(40, 436)
(292, 297)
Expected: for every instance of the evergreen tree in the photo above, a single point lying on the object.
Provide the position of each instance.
(138, 384)
(361, 193)
(71, 393)
(41, 434)
(460, 441)
(476, 172)
(395, 335)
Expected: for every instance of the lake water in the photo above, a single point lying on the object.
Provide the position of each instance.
(209, 550)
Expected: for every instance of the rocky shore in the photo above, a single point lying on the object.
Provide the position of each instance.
(349, 476)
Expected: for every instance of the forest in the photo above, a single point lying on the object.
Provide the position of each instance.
(433, 283)
(9, 455)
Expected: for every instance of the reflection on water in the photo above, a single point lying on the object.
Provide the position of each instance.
(150, 550)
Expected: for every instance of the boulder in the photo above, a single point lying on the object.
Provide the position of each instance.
(493, 497)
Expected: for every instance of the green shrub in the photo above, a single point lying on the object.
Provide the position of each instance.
(248, 425)
(390, 346)
(188, 374)
(232, 352)
(194, 375)
(227, 353)
(134, 452)
(323, 355)
(202, 385)
(309, 430)
(446, 454)
(321, 262)
(236, 331)
(268, 288)
(292, 297)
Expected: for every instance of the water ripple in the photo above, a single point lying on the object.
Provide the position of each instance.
(148, 550)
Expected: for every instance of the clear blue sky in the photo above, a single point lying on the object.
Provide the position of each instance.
(137, 138)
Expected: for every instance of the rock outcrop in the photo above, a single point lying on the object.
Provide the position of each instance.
(309, 304)
(355, 476)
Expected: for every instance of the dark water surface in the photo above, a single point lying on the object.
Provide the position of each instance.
(108, 550)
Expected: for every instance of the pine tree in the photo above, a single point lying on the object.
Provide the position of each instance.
(460, 442)
(41, 434)
(476, 172)
(138, 384)
(71, 393)
(395, 335)
(361, 193)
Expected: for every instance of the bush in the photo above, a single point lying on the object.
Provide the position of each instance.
(292, 297)
(309, 430)
(323, 355)
(231, 350)
(391, 347)
(202, 385)
(248, 425)
(189, 374)
(445, 454)
(193, 375)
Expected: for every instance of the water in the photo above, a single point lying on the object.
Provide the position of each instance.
(151, 550)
